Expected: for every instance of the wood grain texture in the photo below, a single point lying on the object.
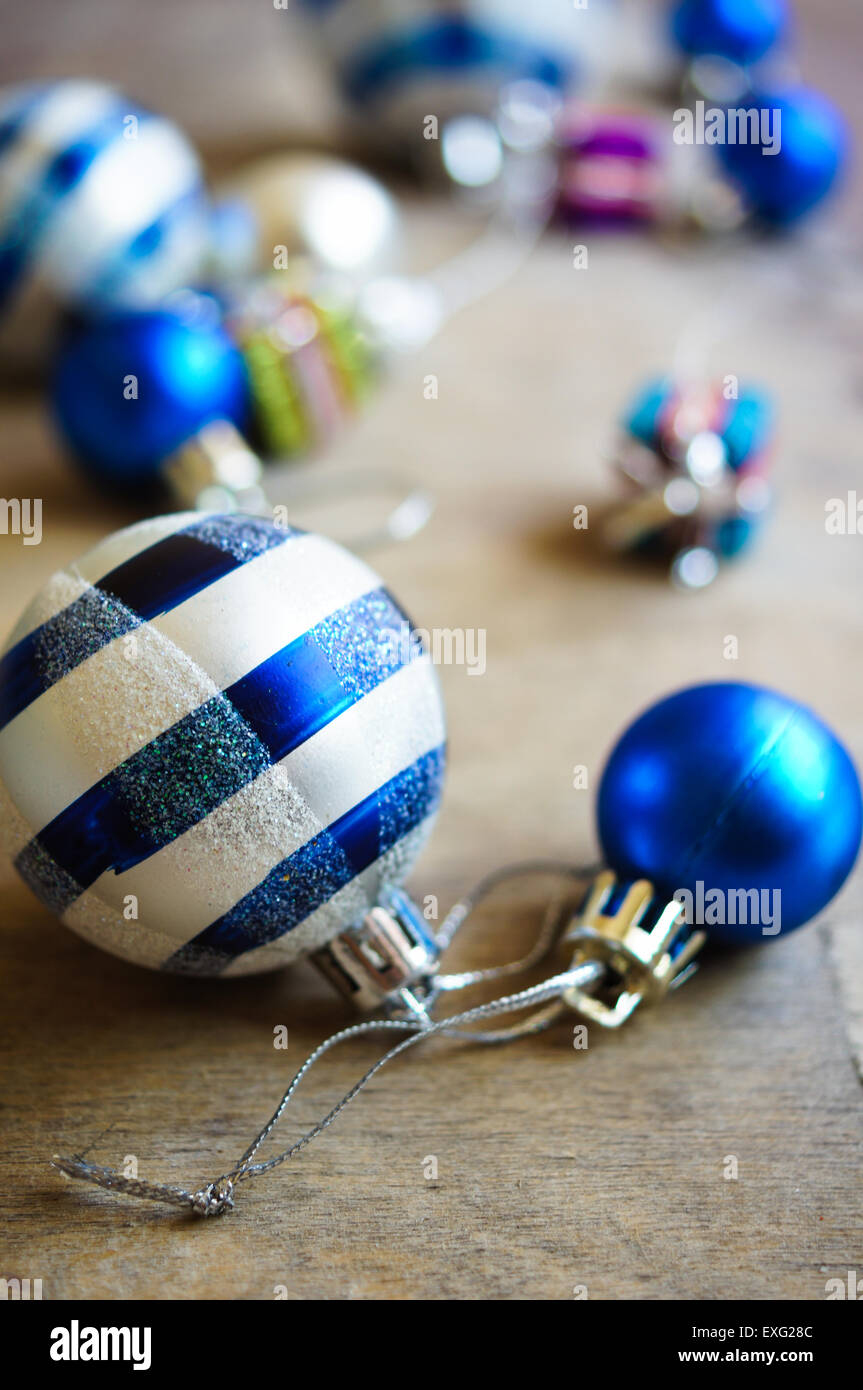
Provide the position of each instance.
(557, 1167)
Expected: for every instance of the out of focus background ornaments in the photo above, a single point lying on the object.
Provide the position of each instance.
(103, 204)
(536, 378)
(104, 210)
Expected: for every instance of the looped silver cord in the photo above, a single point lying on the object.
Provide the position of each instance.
(217, 1197)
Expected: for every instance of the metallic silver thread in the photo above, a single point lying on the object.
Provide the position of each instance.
(217, 1197)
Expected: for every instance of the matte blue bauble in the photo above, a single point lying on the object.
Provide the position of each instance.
(783, 186)
(740, 30)
(733, 787)
(187, 372)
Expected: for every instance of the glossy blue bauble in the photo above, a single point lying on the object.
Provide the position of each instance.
(733, 787)
(187, 373)
(740, 30)
(812, 144)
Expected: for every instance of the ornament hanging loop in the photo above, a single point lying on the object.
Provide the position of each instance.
(390, 961)
(629, 948)
(214, 1199)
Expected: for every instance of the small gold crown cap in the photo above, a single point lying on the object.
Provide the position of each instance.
(647, 948)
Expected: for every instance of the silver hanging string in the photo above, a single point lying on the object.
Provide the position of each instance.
(217, 1197)
(544, 999)
(548, 934)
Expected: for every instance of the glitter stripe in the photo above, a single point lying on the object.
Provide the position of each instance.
(316, 678)
(46, 878)
(183, 775)
(203, 873)
(315, 873)
(154, 581)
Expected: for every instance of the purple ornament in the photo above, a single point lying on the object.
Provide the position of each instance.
(610, 168)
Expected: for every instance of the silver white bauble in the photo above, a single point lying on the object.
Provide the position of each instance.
(220, 741)
(316, 207)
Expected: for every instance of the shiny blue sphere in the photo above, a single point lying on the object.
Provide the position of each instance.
(132, 387)
(812, 147)
(740, 30)
(734, 788)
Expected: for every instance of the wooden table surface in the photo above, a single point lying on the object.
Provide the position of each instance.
(557, 1169)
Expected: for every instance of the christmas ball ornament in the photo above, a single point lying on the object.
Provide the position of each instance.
(397, 62)
(694, 462)
(741, 31)
(309, 362)
(796, 160)
(101, 202)
(740, 798)
(132, 388)
(220, 741)
(426, 81)
(315, 208)
(610, 168)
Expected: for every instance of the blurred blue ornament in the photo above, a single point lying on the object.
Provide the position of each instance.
(798, 158)
(741, 31)
(731, 789)
(132, 388)
(101, 202)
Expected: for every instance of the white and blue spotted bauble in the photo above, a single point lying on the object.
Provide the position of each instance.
(398, 64)
(219, 740)
(101, 202)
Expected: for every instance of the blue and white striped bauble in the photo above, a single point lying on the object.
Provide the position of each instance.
(101, 202)
(218, 742)
(398, 63)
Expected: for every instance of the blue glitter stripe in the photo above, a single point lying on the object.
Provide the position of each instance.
(51, 884)
(184, 774)
(447, 45)
(313, 874)
(156, 580)
(316, 678)
(63, 174)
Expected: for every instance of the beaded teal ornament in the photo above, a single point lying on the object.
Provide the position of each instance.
(693, 460)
